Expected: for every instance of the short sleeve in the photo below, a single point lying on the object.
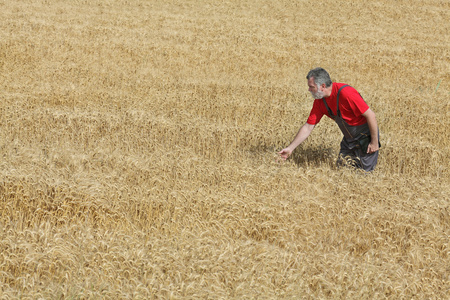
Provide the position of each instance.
(316, 113)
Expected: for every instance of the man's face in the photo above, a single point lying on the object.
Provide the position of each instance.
(316, 91)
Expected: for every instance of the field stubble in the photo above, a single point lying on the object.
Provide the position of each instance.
(138, 144)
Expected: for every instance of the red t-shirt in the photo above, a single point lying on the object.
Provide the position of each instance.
(351, 105)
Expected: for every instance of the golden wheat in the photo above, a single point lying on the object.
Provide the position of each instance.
(139, 138)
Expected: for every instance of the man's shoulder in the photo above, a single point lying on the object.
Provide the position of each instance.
(350, 94)
(341, 86)
(336, 86)
(345, 89)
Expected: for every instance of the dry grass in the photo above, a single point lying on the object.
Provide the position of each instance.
(138, 142)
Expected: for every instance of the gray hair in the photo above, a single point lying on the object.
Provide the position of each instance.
(320, 77)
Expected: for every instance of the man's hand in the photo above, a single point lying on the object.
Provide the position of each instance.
(285, 153)
(373, 147)
(302, 134)
(373, 127)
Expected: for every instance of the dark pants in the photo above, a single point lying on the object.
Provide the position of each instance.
(355, 157)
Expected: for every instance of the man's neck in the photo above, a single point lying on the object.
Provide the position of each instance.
(327, 91)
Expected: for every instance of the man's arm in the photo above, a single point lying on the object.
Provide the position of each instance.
(373, 127)
(302, 134)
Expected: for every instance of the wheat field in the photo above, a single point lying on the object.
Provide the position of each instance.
(139, 142)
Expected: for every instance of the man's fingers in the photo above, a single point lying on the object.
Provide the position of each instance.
(284, 154)
(371, 149)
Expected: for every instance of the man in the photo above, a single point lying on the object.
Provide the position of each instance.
(347, 108)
